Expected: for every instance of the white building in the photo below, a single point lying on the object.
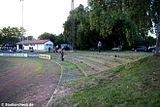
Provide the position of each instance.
(36, 45)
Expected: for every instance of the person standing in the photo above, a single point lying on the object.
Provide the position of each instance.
(62, 55)
(99, 46)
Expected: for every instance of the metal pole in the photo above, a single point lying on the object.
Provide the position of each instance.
(22, 22)
(72, 5)
(72, 27)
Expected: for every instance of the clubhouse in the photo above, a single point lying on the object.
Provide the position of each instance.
(36, 45)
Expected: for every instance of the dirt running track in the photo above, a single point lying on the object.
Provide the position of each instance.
(27, 80)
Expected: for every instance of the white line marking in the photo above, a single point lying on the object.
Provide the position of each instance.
(49, 103)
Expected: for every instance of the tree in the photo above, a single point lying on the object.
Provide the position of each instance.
(143, 14)
(10, 35)
(150, 41)
(109, 18)
(30, 38)
(155, 13)
(146, 14)
(83, 29)
(84, 36)
(114, 22)
(46, 35)
(59, 39)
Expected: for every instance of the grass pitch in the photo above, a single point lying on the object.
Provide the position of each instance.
(26, 80)
(135, 84)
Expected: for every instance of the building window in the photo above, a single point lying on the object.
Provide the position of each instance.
(48, 44)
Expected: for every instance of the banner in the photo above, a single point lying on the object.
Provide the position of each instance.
(45, 56)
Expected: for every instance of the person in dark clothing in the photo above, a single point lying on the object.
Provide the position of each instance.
(49, 49)
(62, 55)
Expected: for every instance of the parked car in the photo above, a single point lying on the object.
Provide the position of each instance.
(152, 48)
(140, 48)
(117, 48)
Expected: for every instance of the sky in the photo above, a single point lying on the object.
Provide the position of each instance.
(39, 16)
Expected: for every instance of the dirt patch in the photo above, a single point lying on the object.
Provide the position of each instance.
(21, 83)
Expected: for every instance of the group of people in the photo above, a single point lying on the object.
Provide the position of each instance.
(62, 52)
(57, 50)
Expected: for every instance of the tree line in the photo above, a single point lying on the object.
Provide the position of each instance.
(114, 22)
(9, 36)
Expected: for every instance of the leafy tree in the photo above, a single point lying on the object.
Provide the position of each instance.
(109, 19)
(10, 35)
(59, 39)
(146, 15)
(114, 22)
(143, 14)
(83, 28)
(30, 38)
(84, 36)
(150, 41)
(155, 13)
(46, 35)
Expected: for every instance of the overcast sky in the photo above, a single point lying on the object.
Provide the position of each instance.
(39, 15)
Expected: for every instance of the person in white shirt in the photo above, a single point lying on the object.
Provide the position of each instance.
(99, 46)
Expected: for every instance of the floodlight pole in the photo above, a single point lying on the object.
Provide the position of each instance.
(72, 27)
(22, 22)
(72, 5)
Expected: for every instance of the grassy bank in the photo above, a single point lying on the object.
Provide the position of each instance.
(134, 84)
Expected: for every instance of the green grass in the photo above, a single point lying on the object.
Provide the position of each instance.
(135, 84)
(68, 65)
(39, 66)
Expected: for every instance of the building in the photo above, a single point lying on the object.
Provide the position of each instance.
(36, 45)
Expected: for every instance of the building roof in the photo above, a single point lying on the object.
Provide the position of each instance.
(32, 42)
